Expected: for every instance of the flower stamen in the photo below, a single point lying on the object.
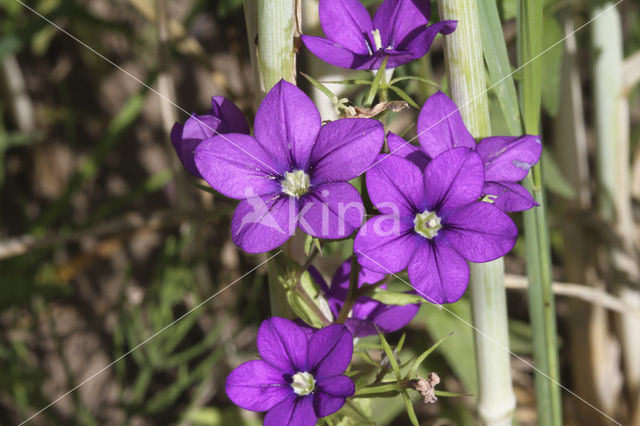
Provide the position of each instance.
(295, 183)
(427, 224)
(303, 383)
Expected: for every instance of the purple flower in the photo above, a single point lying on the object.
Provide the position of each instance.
(398, 31)
(432, 223)
(297, 380)
(506, 160)
(223, 117)
(366, 313)
(295, 172)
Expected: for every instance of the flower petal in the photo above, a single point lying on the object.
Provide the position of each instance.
(440, 126)
(386, 243)
(345, 148)
(438, 273)
(331, 211)
(263, 223)
(333, 53)
(287, 125)
(232, 119)
(257, 386)
(402, 148)
(331, 394)
(236, 166)
(293, 411)
(186, 137)
(418, 42)
(337, 293)
(509, 158)
(390, 318)
(453, 179)
(509, 196)
(396, 19)
(330, 351)
(480, 232)
(283, 344)
(396, 186)
(347, 23)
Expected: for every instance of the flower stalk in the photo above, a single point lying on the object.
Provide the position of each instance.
(466, 74)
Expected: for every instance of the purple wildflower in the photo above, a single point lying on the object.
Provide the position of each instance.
(366, 313)
(223, 117)
(506, 160)
(432, 222)
(297, 380)
(398, 31)
(295, 172)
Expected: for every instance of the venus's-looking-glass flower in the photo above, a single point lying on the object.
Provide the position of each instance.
(398, 31)
(366, 313)
(295, 171)
(223, 117)
(506, 159)
(298, 379)
(432, 223)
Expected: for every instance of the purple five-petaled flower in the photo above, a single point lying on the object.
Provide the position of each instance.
(223, 117)
(294, 172)
(367, 313)
(506, 159)
(398, 31)
(298, 379)
(432, 223)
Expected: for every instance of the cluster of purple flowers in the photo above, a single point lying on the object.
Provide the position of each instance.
(441, 204)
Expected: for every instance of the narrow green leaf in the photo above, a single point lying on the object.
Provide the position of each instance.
(411, 77)
(553, 179)
(379, 390)
(400, 344)
(551, 64)
(333, 98)
(451, 394)
(376, 84)
(393, 298)
(390, 355)
(410, 411)
(424, 355)
(398, 91)
(498, 66)
(351, 82)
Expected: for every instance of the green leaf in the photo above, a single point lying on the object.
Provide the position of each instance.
(553, 179)
(398, 91)
(498, 65)
(351, 82)
(530, 24)
(311, 242)
(451, 394)
(393, 298)
(551, 64)
(382, 389)
(410, 411)
(376, 84)
(333, 98)
(300, 305)
(390, 355)
(424, 355)
(411, 77)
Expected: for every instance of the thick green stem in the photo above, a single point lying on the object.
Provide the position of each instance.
(538, 251)
(271, 27)
(466, 73)
(276, 21)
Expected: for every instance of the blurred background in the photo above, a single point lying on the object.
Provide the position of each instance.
(105, 239)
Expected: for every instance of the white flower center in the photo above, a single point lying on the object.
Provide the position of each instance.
(303, 383)
(377, 39)
(295, 183)
(427, 224)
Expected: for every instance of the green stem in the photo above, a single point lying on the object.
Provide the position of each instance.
(538, 251)
(466, 74)
(271, 27)
(350, 300)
